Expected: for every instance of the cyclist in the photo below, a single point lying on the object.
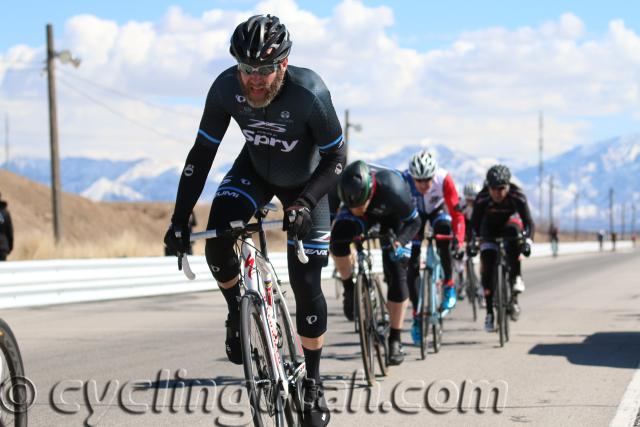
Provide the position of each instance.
(501, 209)
(294, 150)
(436, 199)
(372, 196)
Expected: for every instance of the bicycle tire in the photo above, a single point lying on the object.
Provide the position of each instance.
(365, 317)
(14, 405)
(472, 290)
(382, 329)
(501, 309)
(436, 327)
(292, 357)
(425, 315)
(264, 397)
(507, 303)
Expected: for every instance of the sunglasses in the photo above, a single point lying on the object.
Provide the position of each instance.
(263, 70)
(423, 180)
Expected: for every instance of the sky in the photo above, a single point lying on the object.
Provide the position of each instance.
(469, 75)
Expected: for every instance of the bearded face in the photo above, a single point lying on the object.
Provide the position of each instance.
(261, 90)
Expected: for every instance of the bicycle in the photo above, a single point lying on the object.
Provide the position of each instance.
(13, 388)
(273, 360)
(429, 291)
(371, 315)
(503, 297)
(472, 288)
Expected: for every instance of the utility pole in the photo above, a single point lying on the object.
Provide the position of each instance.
(347, 126)
(611, 211)
(540, 169)
(6, 141)
(53, 138)
(622, 224)
(551, 222)
(633, 220)
(576, 200)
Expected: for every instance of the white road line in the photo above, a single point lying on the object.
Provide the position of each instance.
(630, 404)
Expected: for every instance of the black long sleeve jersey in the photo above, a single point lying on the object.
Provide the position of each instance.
(497, 214)
(294, 142)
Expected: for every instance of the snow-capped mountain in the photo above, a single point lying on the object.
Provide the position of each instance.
(589, 171)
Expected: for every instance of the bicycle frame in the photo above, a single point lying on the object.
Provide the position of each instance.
(257, 280)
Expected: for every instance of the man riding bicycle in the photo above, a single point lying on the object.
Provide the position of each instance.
(294, 150)
(501, 210)
(436, 198)
(370, 197)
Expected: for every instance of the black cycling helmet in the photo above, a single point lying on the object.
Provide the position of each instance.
(260, 40)
(498, 175)
(355, 185)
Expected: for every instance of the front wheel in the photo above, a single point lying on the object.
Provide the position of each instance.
(259, 369)
(382, 327)
(366, 328)
(13, 388)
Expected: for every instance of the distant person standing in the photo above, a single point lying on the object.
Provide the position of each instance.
(553, 239)
(614, 237)
(6, 231)
(601, 239)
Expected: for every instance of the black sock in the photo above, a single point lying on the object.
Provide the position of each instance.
(394, 334)
(312, 360)
(231, 295)
(348, 283)
(489, 301)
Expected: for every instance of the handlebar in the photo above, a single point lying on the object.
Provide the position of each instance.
(237, 229)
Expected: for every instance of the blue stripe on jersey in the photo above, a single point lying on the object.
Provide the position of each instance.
(411, 216)
(209, 137)
(311, 245)
(245, 194)
(331, 144)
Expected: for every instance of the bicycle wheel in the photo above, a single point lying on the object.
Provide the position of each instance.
(507, 303)
(292, 358)
(382, 327)
(425, 314)
(259, 369)
(13, 390)
(472, 289)
(365, 327)
(436, 317)
(501, 306)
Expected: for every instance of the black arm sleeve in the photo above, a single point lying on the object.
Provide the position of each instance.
(405, 209)
(213, 125)
(9, 230)
(479, 208)
(409, 229)
(327, 133)
(525, 214)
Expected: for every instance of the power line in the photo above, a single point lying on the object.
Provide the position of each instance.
(129, 96)
(117, 113)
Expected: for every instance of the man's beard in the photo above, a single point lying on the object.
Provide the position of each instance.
(272, 91)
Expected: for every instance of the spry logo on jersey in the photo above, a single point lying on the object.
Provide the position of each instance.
(273, 127)
(259, 139)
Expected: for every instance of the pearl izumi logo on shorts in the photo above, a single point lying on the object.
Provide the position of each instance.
(338, 170)
(312, 319)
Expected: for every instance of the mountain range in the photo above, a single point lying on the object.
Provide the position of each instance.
(585, 174)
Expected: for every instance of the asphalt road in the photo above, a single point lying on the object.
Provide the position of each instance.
(130, 362)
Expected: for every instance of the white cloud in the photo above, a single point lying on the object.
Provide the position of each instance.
(482, 93)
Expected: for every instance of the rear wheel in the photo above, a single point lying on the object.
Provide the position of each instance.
(501, 306)
(382, 327)
(14, 388)
(424, 311)
(366, 328)
(259, 371)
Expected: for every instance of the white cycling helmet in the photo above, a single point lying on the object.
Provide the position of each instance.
(423, 165)
(471, 190)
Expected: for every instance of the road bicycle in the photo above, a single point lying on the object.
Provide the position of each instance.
(14, 386)
(502, 297)
(371, 315)
(273, 359)
(429, 313)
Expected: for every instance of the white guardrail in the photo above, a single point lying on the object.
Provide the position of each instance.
(36, 283)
